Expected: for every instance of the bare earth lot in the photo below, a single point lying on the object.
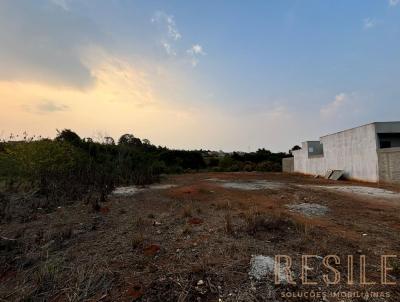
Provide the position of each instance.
(192, 238)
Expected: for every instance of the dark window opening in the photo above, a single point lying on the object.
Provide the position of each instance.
(386, 144)
(389, 140)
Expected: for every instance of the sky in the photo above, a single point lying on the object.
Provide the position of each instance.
(218, 75)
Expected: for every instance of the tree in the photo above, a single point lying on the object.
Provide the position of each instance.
(297, 147)
(129, 140)
(108, 140)
(68, 136)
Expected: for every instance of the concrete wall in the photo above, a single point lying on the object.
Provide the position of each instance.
(389, 165)
(353, 150)
(308, 164)
(387, 127)
(288, 164)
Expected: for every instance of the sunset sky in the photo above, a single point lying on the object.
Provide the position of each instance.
(230, 75)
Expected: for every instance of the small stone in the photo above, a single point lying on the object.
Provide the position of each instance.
(201, 282)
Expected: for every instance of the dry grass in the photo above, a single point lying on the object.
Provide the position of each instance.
(47, 276)
(90, 281)
(187, 230)
(223, 205)
(187, 211)
(138, 222)
(229, 228)
(208, 237)
(137, 240)
(258, 221)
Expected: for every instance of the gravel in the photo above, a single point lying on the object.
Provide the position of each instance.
(309, 209)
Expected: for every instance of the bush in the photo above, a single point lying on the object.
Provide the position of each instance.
(68, 167)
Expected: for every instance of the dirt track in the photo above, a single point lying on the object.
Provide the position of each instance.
(193, 240)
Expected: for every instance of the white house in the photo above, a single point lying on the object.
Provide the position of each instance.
(369, 153)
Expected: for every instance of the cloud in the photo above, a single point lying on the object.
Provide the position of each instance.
(172, 33)
(393, 2)
(42, 43)
(168, 49)
(196, 50)
(50, 106)
(167, 20)
(369, 23)
(333, 107)
(61, 3)
(194, 53)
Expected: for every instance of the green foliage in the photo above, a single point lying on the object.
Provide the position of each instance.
(179, 160)
(262, 160)
(69, 167)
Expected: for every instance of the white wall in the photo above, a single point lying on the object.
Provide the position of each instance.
(314, 165)
(353, 150)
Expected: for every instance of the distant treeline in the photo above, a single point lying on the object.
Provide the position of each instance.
(261, 160)
(70, 167)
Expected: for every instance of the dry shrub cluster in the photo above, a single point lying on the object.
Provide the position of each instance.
(257, 221)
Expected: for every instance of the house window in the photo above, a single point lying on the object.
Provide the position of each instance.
(386, 144)
(311, 149)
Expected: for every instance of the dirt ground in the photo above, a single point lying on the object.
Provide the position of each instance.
(192, 238)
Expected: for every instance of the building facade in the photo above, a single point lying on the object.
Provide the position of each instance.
(368, 153)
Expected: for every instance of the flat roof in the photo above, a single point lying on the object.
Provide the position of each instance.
(373, 123)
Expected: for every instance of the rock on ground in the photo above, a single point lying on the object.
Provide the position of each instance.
(309, 209)
(261, 266)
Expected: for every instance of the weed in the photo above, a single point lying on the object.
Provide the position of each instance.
(302, 227)
(88, 281)
(258, 221)
(59, 237)
(47, 275)
(229, 229)
(223, 205)
(187, 211)
(187, 231)
(137, 241)
(139, 223)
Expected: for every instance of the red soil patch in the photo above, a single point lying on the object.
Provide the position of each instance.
(195, 220)
(135, 292)
(182, 192)
(104, 210)
(151, 250)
